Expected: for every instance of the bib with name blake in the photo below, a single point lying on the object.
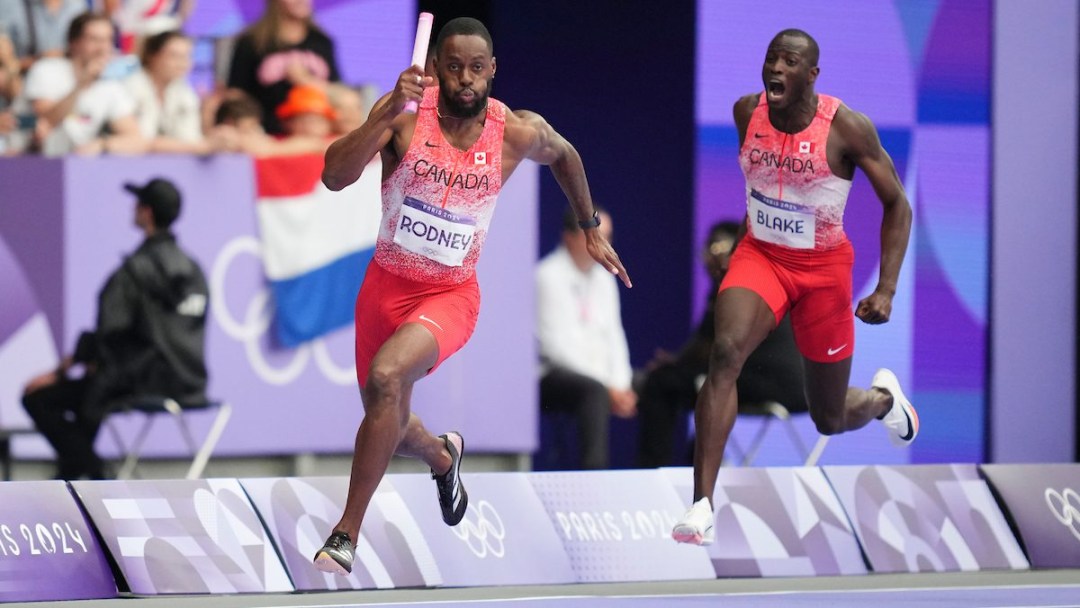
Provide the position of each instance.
(780, 222)
(434, 233)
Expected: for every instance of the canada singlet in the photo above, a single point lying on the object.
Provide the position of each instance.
(438, 202)
(793, 199)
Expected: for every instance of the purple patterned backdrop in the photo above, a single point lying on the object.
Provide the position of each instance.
(1043, 502)
(777, 522)
(929, 518)
(69, 235)
(504, 538)
(607, 521)
(178, 536)
(299, 514)
(921, 72)
(48, 551)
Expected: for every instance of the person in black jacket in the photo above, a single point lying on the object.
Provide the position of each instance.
(148, 341)
(773, 372)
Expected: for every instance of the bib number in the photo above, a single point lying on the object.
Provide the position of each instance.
(780, 222)
(433, 232)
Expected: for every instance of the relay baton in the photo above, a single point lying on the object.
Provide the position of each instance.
(419, 49)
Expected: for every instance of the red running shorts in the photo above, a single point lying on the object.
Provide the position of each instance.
(386, 301)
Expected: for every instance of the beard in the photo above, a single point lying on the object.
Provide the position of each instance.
(459, 109)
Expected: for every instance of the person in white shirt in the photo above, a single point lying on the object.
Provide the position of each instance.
(79, 107)
(584, 357)
(166, 105)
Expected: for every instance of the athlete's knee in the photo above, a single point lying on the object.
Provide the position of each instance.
(725, 356)
(828, 422)
(385, 383)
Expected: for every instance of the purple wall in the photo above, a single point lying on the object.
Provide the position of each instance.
(285, 400)
(1033, 289)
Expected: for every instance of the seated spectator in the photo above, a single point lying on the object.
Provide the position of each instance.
(148, 341)
(38, 33)
(9, 121)
(166, 105)
(583, 351)
(137, 20)
(306, 115)
(78, 107)
(282, 49)
(773, 372)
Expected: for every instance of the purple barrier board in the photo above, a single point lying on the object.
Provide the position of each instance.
(932, 518)
(616, 526)
(503, 540)
(776, 522)
(67, 223)
(42, 533)
(179, 536)
(1043, 503)
(299, 513)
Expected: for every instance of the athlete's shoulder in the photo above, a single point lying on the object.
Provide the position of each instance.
(745, 106)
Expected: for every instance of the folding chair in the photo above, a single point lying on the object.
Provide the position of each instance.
(770, 412)
(150, 408)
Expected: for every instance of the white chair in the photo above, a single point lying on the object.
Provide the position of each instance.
(772, 412)
(151, 408)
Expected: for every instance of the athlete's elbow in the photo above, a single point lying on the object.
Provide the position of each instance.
(335, 180)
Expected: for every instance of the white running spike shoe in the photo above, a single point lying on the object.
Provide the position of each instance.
(696, 527)
(901, 421)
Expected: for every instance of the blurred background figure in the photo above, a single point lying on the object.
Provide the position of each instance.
(306, 116)
(166, 105)
(282, 49)
(351, 105)
(669, 390)
(80, 106)
(585, 362)
(137, 20)
(32, 29)
(148, 341)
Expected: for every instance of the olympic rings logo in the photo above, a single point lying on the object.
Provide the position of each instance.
(255, 322)
(485, 535)
(1065, 506)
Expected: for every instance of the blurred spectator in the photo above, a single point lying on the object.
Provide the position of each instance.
(9, 121)
(148, 340)
(350, 107)
(80, 107)
(166, 105)
(306, 115)
(583, 351)
(39, 32)
(137, 20)
(773, 372)
(282, 49)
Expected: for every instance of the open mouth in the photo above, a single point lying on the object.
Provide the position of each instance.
(775, 90)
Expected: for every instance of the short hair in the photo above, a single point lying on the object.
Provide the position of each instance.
(237, 107)
(464, 26)
(570, 218)
(154, 44)
(79, 23)
(721, 229)
(813, 52)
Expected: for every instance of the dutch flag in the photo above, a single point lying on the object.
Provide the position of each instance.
(316, 243)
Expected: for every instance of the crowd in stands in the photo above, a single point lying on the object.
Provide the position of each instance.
(95, 77)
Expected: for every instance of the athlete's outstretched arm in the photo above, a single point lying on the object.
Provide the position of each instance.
(865, 150)
(346, 158)
(547, 147)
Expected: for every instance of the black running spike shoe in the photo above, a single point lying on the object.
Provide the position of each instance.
(336, 556)
(453, 499)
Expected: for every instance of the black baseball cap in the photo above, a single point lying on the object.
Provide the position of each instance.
(161, 196)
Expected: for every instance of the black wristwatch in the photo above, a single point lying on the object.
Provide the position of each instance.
(592, 222)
